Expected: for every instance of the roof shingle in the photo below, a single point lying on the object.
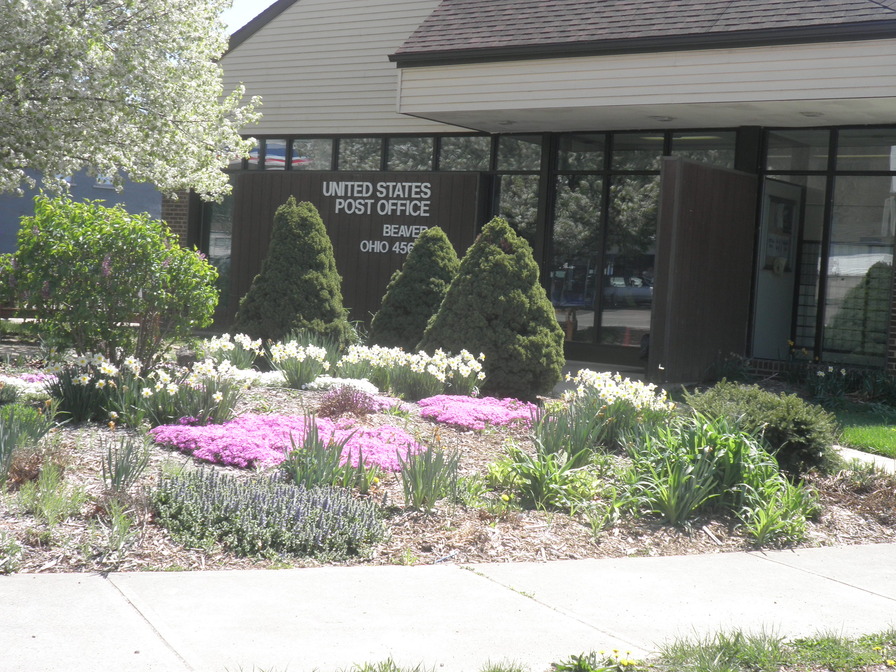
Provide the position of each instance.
(458, 26)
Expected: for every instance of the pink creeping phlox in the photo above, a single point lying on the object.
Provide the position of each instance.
(262, 441)
(470, 413)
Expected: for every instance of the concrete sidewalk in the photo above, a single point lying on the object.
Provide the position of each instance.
(451, 618)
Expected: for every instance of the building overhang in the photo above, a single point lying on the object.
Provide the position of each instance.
(813, 84)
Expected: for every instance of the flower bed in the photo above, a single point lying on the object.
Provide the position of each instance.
(262, 441)
(476, 414)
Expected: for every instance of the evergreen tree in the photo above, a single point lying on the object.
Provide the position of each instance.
(298, 287)
(415, 292)
(496, 305)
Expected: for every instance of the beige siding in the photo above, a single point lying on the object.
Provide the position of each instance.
(322, 67)
(839, 71)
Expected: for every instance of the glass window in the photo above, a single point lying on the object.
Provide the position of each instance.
(809, 259)
(581, 151)
(715, 148)
(860, 270)
(275, 154)
(219, 223)
(518, 203)
(409, 154)
(519, 152)
(360, 153)
(575, 252)
(254, 154)
(628, 271)
(797, 150)
(637, 151)
(465, 152)
(867, 149)
(312, 154)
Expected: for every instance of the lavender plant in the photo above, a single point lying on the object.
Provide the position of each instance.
(263, 517)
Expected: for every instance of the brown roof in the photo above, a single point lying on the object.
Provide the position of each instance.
(462, 29)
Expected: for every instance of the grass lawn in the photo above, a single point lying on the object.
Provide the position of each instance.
(869, 427)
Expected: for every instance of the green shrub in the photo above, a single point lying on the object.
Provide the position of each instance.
(298, 287)
(495, 305)
(415, 292)
(697, 463)
(800, 435)
(266, 518)
(91, 272)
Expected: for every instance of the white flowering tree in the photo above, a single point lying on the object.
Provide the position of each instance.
(116, 86)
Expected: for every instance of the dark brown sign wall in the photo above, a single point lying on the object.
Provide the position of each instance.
(704, 264)
(371, 218)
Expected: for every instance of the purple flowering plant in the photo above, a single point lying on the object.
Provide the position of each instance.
(263, 441)
(476, 414)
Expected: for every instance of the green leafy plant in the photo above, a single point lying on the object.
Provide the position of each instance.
(676, 485)
(415, 292)
(735, 651)
(775, 511)
(495, 305)
(239, 351)
(567, 430)
(615, 408)
(299, 364)
(598, 662)
(119, 528)
(316, 461)
(428, 476)
(49, 498)
(10, 554)
(106, 281)
(20, 427)
(545, 479)
(124, 462)
(298, 287)
(800, 435)
(78, 395)
(8, 394)
(264, 517)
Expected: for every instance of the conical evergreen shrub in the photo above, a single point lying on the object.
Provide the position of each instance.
(415, 292)
(298, 287)
(496, 305)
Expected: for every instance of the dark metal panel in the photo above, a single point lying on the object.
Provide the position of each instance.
(371, 218)
(704, 267)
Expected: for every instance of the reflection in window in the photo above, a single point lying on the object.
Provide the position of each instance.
(409, 154)
(465, 152)
(627, 288)
(360, 153)
(866, 149)
(519, 152)
(860, 270)
(575, 246)
(312, 154)
(715, 148)
(637, 151)
(275, 154)
(219, 224)
(254, 154)
(797, 150)
(518, 203)
(581, 151)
